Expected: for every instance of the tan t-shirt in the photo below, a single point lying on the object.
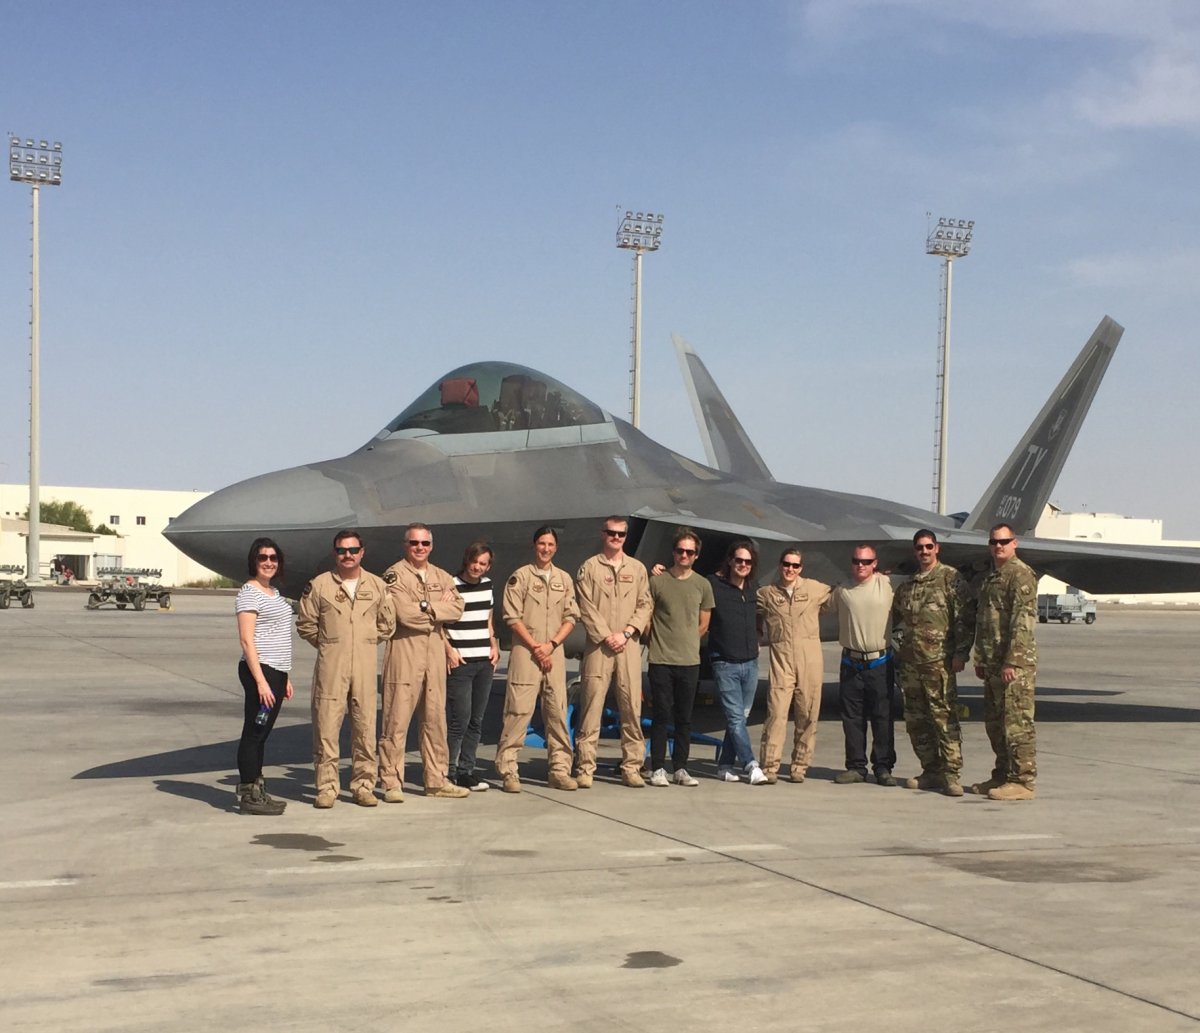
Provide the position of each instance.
(864, 614)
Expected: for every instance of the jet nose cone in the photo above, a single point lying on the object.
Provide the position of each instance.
(218, 530)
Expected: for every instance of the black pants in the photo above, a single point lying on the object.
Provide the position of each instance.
(468, 688)
(866, 698)
(672, 696)
(254, 736)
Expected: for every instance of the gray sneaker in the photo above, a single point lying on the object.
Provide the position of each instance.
(682, 778)
(659, 778)
(849, 777)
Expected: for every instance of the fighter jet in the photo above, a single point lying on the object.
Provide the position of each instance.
(493, 449)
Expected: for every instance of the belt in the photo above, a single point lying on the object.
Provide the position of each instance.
(862, 658)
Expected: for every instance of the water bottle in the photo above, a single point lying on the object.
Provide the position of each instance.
(264, 715)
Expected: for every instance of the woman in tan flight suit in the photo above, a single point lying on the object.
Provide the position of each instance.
(539, 606)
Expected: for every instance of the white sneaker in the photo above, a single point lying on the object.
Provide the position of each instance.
(659, 778)
(757, 778)
(727, 775)
(682, 778)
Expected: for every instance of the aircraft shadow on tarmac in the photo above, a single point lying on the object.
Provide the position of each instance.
(291, 744)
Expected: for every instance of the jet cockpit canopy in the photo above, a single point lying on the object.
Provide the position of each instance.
(495, 396)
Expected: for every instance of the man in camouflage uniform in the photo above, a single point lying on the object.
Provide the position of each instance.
(933, 624)
(1006, 660)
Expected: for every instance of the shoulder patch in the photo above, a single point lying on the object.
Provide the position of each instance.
(389, 578)
(307, 589)
(512, 580)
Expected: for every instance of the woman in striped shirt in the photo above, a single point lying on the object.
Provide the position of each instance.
(264, 621)
(471, 655)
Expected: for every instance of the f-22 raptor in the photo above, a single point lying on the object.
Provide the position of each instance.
(493, 449)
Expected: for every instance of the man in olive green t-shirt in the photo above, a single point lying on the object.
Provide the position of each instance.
(683, 603)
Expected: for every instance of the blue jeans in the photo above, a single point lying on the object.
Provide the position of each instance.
(736, 686)
(468, 688)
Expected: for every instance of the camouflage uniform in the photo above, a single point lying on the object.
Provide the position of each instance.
(1004, 638)
(933, 624)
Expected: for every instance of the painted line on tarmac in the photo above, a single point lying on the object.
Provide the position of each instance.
(352, 866)
(998, 839)
(36, 884)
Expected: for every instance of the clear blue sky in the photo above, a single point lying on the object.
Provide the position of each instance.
(281, 221)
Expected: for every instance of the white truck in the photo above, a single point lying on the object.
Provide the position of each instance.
(1066, 608)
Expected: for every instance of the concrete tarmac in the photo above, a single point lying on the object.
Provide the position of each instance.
(136, 899)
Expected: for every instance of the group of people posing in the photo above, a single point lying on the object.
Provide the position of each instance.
(442, 650)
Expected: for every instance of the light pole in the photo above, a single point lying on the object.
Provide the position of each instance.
(638, 232)
(39, 164)
(950, 239)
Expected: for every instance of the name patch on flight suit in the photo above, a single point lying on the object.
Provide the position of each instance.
(363, 593)
(556, 586)
(435, 588)
(626, 579)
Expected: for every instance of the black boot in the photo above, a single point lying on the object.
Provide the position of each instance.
(251, 800)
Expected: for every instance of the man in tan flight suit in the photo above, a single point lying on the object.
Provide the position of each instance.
(613, 592)
(414, 667)
(788, 614)
(540, 608)
(345, 613)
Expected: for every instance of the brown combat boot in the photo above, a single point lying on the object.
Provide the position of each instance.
(925, 781)
(633, 779)
(365, 797)
(1011, 791)
(953, 786)
(583, 780)
(512, 784)
(251, 800)
(564, 782)
(262, 788)
(983, 788)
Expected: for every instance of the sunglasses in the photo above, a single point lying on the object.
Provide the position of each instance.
(267, 557)
(425, 544)
(348, 550)
(685, 552)
(862, 563)
(924, 548)
(1001, 541)
(790, 566)
(742, 560)
(615, 534)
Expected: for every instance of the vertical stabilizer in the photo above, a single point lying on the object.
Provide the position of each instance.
(1022, 487)
(726, 444)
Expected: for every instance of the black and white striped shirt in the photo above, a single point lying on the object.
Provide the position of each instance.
(469, 635)
(272, 628)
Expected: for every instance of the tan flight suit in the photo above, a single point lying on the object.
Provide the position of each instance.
(542, 605)
(791, 627)
(347, 633)
(414, 672)
(612, 599)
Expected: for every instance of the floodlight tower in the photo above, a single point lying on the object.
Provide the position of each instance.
(37, 163)
(950, 239)
(638, 232)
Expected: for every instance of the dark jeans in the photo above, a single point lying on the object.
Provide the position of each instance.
(866, 698)
(672, 696)
(254, 736)
(468, 687)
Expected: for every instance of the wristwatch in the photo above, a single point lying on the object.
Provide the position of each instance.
(424, 605)
(628, 634)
